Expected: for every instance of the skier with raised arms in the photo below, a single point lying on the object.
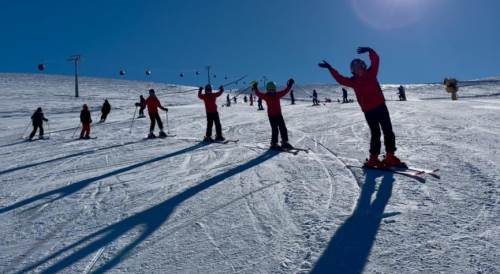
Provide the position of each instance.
(209, 99)
(372, 102)
(272, 98)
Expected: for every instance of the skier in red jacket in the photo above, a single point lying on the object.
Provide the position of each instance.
(210, 99)
(153, 104)
(371, 99)
(272, 98)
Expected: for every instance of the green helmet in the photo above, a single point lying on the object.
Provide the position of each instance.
(270, 86)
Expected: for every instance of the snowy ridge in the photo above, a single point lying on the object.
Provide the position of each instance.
(122, 204)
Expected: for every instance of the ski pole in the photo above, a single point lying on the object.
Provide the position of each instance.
(133, 118)
(74, 132)
(48, 128)
(168, 128)
(26, 128)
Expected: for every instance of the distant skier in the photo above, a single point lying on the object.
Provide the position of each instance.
(105, 110)
(86, 120)
(37, 119)
(251, 99)
(315, 98)
(228, 101)
(344, 96)
(235, 100)
(451, 85)
(292, 97)
(259, 104)
(401, 93)
(245, 99)
(142, 105)
(371, 99)
(210, 99)
(153, 104)
(272, 98)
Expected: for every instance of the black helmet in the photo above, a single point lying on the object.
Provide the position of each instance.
(151, 91)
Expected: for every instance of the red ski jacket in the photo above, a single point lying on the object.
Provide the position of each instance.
(209, 100)
(153, 104)
(273, 100)
(366, 88)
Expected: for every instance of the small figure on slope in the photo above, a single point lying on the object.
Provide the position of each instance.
(315, 98)
(402, 93)
(228, 101)
(292, 97)
(344, 96)
(86, 120)
(153, 104)
(272, 98)
(141, 105)
(105, 110)
(259, 104)
(209, 99)
(245, 99)
(37, 119)
(371, 99)
(251, 99)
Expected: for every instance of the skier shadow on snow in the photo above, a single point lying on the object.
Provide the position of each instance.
(75, 187)
(64, 158)
(350, 247)
(148, 220)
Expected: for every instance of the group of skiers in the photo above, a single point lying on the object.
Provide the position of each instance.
(364, 83)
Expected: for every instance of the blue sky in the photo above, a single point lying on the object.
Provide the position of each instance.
(418, 40)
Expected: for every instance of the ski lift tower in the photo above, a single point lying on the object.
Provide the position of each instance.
(76, 59)
(208, 72)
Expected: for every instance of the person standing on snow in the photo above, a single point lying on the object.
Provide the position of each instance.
(210, 99)
(344, 96)
(86, 120)
(259, 104)
(371, 99)
(272, 98)
(228, 101)
(251, 99)
(142, 105)
(292, 97)
(37, 119)
(153, 104)
(402, 93)
(105, 110)
(315, 98)
(245, 99)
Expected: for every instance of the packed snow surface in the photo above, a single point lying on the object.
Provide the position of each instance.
(123, 204)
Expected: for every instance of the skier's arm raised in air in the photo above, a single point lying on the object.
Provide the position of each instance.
(199, 93)
(374, 59)
(255, 88)
(289, 85)
(336, 75)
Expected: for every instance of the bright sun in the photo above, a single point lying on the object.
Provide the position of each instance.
(390, 14)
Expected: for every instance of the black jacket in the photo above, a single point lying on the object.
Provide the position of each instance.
(37, 118)
(85, 117)
(106, 107)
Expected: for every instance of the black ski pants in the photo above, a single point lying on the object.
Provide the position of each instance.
(378, 118)
(212, 118)
(155, 118)
(35, 127)
(278, 126)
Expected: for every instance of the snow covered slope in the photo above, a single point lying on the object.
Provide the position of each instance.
(123, 204)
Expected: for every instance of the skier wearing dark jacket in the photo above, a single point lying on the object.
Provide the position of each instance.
(209, 99)
(105, 110)
(153, 104)
(86, 120)
(272, 98)
(142, 105)
(371, 99)
(37, 119)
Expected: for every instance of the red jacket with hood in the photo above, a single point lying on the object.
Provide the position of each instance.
(273, 100)
(209, 100)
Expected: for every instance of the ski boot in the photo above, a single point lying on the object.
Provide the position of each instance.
(86, 137)
(391, 160)
(374, 162)
(208, 139)
(274, 146)
(162, 134)
(151, 135)
(41, 137)
(219, 139)
(286, 145)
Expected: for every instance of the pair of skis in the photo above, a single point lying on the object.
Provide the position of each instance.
(405, 170)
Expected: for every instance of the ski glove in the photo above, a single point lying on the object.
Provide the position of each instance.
(200, 90)
(254, 85)
(290, 82)
(221, 88)
(324, 64)
(362, 50)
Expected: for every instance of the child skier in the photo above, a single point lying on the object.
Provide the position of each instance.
(251, 99)
(272, 98)
(344, 96)
(86, 120)
(228, 101)
(37, 119)
(371, 99)
(210, 99)
(105, 110)
(315, 98)
(153, 104)
(142, 105)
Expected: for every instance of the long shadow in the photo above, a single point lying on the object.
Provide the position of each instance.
(148, 220)
(75, 187)
(350, 247)
(463, 97)
(65, 157)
